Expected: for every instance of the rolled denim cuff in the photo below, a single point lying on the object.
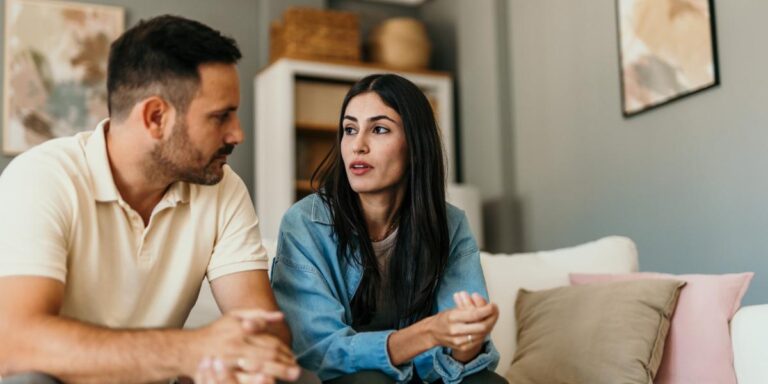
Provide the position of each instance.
(370, 351)
(453, 371)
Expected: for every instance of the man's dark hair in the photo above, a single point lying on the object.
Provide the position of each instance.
(161, 56)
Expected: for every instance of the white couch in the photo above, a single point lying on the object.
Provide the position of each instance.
(506, 274)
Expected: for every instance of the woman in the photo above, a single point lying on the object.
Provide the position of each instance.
(373, 271)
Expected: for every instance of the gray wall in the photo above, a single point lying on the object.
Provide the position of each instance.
(687, 181)
(470, 40)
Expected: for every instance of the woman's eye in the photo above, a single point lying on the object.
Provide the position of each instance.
(380, 130)
(349, 131)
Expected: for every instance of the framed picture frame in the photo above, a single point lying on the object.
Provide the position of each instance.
(55, 68)
(667, 51)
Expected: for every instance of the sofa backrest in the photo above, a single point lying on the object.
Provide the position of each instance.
(505, 274)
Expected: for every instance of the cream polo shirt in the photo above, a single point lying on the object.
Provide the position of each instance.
(62, 217)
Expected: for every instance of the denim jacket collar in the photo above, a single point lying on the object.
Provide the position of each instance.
(320, 213)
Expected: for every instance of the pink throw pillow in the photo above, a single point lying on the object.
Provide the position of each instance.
(698, 349)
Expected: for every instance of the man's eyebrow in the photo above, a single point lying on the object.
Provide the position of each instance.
(231, 108)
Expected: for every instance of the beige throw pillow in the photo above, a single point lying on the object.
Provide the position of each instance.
(600, 333)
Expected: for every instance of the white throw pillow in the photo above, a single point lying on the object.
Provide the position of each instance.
(505, 274)
(748, 334)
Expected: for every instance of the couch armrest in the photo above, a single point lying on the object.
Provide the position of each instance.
(750, 344)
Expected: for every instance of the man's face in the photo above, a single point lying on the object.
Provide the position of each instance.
(196, 149)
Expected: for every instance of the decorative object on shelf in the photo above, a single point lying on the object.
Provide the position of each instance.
(55, 69)
(400, 43)
(467, 198)
(315, 34)
(667, 51)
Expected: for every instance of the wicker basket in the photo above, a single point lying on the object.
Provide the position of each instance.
(309, 33)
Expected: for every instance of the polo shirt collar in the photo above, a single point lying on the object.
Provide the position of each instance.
(177, 193)
(104, 188)
(101, 174)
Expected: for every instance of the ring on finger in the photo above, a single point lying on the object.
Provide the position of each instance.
(469, 338)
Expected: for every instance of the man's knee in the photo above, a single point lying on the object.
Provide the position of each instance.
(30, 378)
(363, 377)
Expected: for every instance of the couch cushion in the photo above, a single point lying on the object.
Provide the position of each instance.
(706, 306)
(598, 334)
(505, 274)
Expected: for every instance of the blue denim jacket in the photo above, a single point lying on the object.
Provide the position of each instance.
(314, 290)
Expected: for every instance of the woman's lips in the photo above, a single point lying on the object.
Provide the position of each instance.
(359, 168)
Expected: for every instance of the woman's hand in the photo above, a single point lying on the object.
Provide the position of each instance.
(462, 329)
(465, 327)
(464, 300)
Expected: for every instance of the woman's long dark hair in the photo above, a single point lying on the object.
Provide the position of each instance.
(421, 250)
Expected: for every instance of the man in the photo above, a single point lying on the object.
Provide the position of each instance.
(106, 236)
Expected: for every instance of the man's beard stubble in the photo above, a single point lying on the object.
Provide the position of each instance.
(177, 159)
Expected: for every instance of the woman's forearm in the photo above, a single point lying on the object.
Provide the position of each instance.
(405, 344)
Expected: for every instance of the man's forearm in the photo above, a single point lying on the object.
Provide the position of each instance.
(76, 352)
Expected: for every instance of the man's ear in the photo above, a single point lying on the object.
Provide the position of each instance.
(156, 115)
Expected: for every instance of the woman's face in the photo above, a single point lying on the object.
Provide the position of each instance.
(373, 145)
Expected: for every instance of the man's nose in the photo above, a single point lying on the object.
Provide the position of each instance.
(235, 135)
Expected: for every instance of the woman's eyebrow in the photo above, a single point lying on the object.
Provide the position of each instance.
(382, 117)
(374, 118)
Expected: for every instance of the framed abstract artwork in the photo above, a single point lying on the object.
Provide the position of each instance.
(55, 68)
(667, 50)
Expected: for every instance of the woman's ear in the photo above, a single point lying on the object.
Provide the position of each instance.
(156, 115)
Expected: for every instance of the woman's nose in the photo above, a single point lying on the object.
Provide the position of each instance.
(359, 145)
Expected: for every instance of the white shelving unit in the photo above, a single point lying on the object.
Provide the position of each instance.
(276, 126)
